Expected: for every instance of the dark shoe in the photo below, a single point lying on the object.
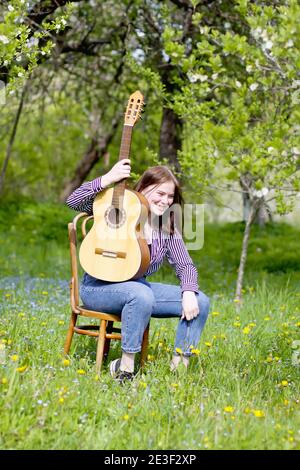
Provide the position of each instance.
(122, 376)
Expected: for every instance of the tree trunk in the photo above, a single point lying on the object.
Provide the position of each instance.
(170, 137)
(96, 150)
(244, 252)
(12, 138)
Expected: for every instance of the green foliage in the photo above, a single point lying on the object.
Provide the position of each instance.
(20, 48)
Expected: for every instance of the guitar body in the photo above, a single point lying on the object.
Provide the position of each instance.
(114, 249)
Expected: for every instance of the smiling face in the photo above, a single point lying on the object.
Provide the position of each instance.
(160, 196)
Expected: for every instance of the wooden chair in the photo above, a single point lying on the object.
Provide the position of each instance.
(106, 330)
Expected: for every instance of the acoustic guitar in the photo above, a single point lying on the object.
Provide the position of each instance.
(114, 249)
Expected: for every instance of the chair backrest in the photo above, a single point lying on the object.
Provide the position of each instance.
(83, 217)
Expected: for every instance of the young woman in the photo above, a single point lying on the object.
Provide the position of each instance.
(140, 299)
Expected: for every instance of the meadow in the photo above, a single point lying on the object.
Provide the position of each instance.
(241, 391)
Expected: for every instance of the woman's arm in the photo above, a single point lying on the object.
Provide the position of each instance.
(83, 197)
(180, 259)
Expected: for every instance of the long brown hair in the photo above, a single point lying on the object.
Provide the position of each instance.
(156, 175)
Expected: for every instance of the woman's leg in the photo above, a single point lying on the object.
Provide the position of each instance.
(168, 303)
(132, 300)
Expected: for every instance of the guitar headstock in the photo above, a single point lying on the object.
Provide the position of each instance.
(134, 108)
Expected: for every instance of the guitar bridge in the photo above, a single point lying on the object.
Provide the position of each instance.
(110, 254)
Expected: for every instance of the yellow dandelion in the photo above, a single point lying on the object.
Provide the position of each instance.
(126, 417)
(174, 385)
(129, 406)
(267, 318)
(81, 372)
(61, 322)
(178, 350)
(236, 301)
(61, 400)
(9, 341)
(229, 409)
(269, 359)
(143, 384)
(14, 357)
(21, 314)
(247, 410)
(297, 324)
(96, 378)
(7, 295)
(286, 402)
(284, 383)
(252, 324)
(215, 314)
(208, 344)
(276, 358)
(237, 324)
(195, 351)
(258, 413)
(45, 292)
(22, 368)
(4, 380)
(66, 362)
(246, 330)
(44, 323)
(291, 439)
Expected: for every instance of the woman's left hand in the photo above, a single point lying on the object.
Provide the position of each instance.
(190, 308)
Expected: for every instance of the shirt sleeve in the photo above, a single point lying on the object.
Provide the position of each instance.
(82, 198)
(180, 259)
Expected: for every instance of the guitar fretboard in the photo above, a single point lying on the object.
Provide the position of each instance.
(118, 193)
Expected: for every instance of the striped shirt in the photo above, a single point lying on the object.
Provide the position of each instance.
(163, 245)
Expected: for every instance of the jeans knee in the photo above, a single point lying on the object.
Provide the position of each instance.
(143, 296)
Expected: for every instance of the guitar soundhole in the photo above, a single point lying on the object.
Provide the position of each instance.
(115, 217)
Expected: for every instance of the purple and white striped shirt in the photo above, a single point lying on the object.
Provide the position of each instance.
(163, 245)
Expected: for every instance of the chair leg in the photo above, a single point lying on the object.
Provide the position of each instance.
(145, 343)
(107, 340)
(100, 346)
(70, 333)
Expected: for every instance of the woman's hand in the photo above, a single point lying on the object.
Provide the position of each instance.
(118, 172)
(190, 308)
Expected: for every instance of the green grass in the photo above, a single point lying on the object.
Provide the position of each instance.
(241, 391)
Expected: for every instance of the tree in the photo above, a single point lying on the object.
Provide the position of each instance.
(241, 107)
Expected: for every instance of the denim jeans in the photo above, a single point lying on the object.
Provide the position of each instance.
(139, 300)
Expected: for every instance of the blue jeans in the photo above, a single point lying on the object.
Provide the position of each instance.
(137, 301)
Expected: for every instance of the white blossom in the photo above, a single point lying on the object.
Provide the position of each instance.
(267, 45)
(249, 68)
(4, 39)
(270, 149)
(10, 8)
(214, 76)
(238, 84)
(290, 43)
(197, 76)
(253, 86)
(296, 151)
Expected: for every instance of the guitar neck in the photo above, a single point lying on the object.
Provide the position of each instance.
(119, 188)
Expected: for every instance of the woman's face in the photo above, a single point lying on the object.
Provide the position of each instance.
(160, 196)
